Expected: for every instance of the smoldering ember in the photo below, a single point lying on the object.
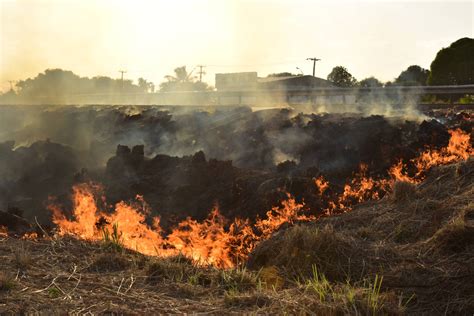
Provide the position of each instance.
(269, 192)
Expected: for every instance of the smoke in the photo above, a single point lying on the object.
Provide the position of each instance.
(193, 157)
(251, 139)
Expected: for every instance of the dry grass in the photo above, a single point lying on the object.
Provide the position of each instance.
(420, 240)
(409, 253)
(6, 282)
(109, 263)
(403, 191)
(22, 256)
(296, 250)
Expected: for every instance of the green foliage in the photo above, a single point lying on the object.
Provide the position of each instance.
(239, 279)
(112, 240)
(454, 65)
(340, 77)
(319, 284)
(365, 298)
(413, 76)
(373, 295)
(54, 292)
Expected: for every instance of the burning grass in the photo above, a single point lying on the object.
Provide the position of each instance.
(222, 243)
(411, 250)
(421, 244)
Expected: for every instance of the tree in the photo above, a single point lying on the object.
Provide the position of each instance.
(340, 77)
(146, 86)
(413, 76)
(454, 65)
(370, 82)
(54, 83)
(182, 81)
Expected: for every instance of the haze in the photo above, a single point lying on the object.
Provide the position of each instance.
(150, 38)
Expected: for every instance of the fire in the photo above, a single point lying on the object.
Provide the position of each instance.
(321, 184)
(3, 231)
(90, 223)
(459, 148)
(206, 243)
(398, 174)
(361, 188)
(220, 243)
(290, 212)
(30, 236)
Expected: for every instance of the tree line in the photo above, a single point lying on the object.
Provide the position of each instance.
(453, 65)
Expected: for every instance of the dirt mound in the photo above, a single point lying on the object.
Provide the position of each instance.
(419, 238)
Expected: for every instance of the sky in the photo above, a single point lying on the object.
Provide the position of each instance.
(149, 38)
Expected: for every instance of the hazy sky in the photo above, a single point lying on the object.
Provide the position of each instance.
(151, 38)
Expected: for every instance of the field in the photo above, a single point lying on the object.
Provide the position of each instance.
(248, 212)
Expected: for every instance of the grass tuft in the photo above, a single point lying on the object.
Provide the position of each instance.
(403, 191)
(6, 283)
(112, 240)
(22, 257)
(109, 263)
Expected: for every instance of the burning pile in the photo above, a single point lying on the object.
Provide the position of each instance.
(222, 243)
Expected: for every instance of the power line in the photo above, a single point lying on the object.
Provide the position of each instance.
(201, 72)
(122, 72)
(314, 59)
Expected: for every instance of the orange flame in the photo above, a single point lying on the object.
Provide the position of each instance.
(212, 241)
(459, 148)
(206, 243)
(321, 184)
(3, 231)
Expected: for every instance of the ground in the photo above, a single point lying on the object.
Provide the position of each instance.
(412, 252)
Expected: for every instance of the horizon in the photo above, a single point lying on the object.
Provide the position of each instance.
(150, 39)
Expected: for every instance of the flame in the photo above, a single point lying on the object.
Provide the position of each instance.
(3, 231)
(30, 236)
(90, 223)
(459, 148)
(321, 184)
(398, 174)
(206, 243)
(217, 242)
(289, 212)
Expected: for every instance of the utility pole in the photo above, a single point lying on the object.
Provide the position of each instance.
(201, 72)
(122, 72)
(314, 59)
(11, 84)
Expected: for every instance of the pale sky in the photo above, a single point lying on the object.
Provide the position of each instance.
(150, 38)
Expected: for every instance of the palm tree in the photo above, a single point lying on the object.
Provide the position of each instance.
(181, 75)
